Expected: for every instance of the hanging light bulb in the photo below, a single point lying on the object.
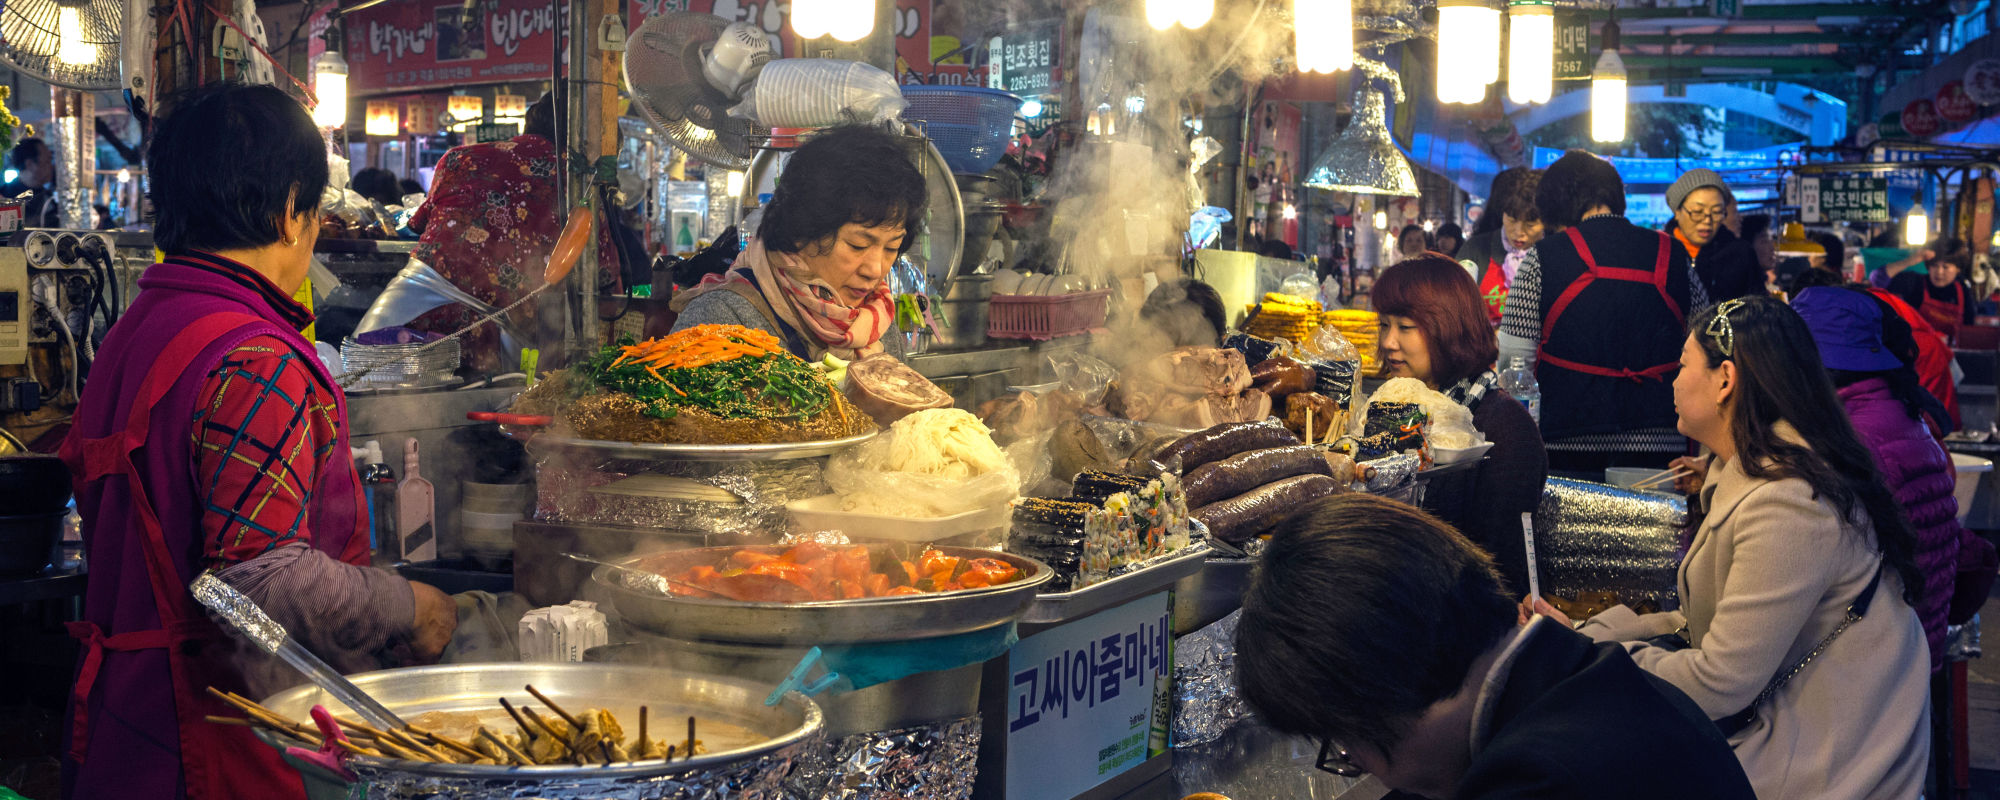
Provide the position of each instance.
(1291, 212)
(1162, 14)
(1531, 53)
(70, 46)
(732, 184)
(1381, 220)
(1916, 228)
(809, 19)
(1196, 13)
(1323, 35)
(1468, 50)
(330, 88)
(1607, 91)
(852, 20)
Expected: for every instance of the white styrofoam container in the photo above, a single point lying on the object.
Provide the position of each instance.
(823, 513)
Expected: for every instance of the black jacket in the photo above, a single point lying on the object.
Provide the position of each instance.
(1608, 361)
(1727, 266)
(1580, 720)
(1486, 502)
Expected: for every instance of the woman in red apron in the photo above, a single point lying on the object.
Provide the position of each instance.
(1938, 295)
(1501, 241)
(210, 438)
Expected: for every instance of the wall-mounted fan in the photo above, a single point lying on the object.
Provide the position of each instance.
(668, 62)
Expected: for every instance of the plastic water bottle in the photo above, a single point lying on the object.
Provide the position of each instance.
(1519, 381)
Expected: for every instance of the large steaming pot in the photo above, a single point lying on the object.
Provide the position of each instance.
(748, 773)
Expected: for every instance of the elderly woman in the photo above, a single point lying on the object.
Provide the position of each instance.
(849, 203)
(210, 438)
(1796, 631)
(1434, 329)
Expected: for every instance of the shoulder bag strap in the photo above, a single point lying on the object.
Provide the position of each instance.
(1733, 723)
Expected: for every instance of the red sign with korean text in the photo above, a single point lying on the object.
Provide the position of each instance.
(1954, 105)
(1920, 119)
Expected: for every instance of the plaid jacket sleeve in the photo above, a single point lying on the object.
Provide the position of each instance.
(261, 432)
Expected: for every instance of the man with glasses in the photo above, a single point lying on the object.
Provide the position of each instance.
(1379, 631)
(1727, 265)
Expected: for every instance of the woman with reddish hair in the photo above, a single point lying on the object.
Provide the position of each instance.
(1435, 329)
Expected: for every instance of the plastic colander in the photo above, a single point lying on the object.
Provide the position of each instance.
(969, 125)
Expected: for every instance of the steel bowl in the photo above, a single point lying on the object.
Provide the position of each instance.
(754, 771)
(872, 619)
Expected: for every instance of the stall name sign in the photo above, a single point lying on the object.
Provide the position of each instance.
(1086, 698)
(1844, 199)
(397, 46)
(1573, 46)
(1920, 118)
(1954, 105)
(1026, 61)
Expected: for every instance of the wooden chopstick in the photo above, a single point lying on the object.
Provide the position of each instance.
(1663, 477)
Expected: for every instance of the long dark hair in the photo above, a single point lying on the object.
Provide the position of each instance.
(1780, 378)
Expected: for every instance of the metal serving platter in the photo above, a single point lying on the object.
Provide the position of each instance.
(1061, 607)
(668, 694)
(872, 619)
(542, 440)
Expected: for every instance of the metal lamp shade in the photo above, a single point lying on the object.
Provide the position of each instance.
(1362, 159)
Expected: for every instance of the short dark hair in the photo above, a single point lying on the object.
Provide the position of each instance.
(1836, 249)
(853, 173)
(228, 164)
(1755, 225)
(541, 118)
(1514, 195)
(377, 184)
(410, 187)
(1439, 294)
(1575, 184)
(1452, 230)
(1173, 306)
(1363, 613)
(25, 151)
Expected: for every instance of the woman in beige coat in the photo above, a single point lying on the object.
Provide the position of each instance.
(1783, 553)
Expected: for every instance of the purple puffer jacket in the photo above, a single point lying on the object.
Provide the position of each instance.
(1921, 475)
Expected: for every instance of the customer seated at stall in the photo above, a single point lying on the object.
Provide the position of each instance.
(1796, 628)
(849, 203)
(1380, 633)
(487, 227)
(1727, 266)
(1434, 329)
(1413, 241)
(1187, 313)
(1501, 240)
(1596, 309)
(1936, 291)
(1449, 239)
(1867, 353)
(1933, 362)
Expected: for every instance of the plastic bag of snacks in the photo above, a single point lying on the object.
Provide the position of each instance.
(1284, 316)
(1360, 328)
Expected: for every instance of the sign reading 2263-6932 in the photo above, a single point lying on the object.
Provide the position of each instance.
(1082, 705)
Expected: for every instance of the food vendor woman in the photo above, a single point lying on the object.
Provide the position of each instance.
(210, 438)
(1435, 329)
(848, 204)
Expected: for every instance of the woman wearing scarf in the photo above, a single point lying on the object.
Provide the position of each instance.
(1512, 225)
(848, 204)
(1434, 329)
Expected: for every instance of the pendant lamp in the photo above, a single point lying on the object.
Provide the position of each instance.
(1531, 51)
(1468, 45)
(1607, 90)
(1362, 159)
(1323, 35)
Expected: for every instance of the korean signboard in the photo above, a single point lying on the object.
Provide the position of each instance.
(1028, 58)
(1573, 62)
(1854, 199)
(1088, 700)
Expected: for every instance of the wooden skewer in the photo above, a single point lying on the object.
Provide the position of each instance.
(241, 722)
(643, 741)
(544, 725)
(390, 749)
(356, 749)
(690, 750)
(574, 725)
(512, 752)
(411, 743)
(452, 744)
(266, 716)
(528, 734)
(1309, 425)
(605, 745)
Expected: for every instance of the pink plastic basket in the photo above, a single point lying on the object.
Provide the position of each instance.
(1015, 316)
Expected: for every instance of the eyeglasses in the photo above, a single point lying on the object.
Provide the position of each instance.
(1719, 330)
(1702, 216)
(1335, 759)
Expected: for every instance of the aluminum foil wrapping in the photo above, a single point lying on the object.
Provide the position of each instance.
(1206, 703)
(759, 778)
(929, 762)
(564, 483)
(1253, 762)
(1590, 537)
(1395, 476)
(239, 611)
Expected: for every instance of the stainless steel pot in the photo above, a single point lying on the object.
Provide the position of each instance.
(874, 619)
(752, 772)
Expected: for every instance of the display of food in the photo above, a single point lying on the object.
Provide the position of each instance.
(1450, 423)
(709, 384)
(1314, 416)
(1051, 530)
(889, 389)
(812, 572)
(1191, 387)
(1097, 486)
(1222, 441)
(1131, 528)
(1282, 377)
(933, 463)
(510, 734)
(1254, 513)
(1283, 316)
(1024, 414)
(1241, 480)
(1360, 328)
(1245, 471)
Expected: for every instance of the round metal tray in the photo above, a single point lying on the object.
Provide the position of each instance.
(539, 439)
(622, 689)
(873, 619)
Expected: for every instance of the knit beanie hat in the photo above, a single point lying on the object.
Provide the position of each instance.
(1693, 179)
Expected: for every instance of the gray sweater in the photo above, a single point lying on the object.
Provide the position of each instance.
(721, 307)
